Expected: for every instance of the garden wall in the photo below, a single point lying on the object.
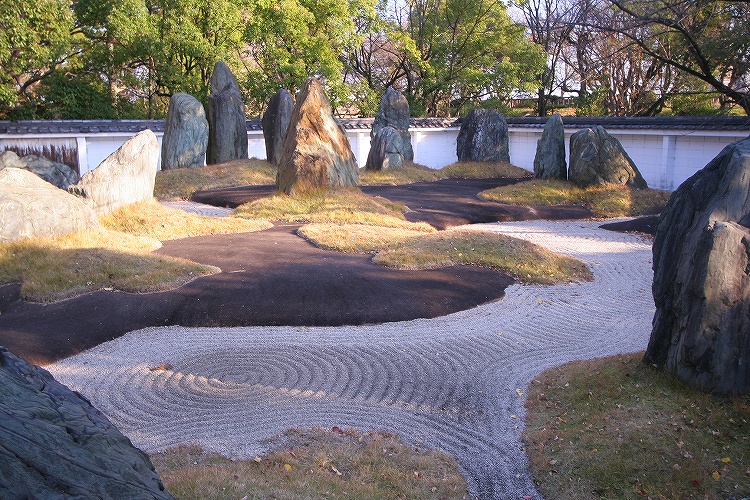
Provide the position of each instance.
(667, 150)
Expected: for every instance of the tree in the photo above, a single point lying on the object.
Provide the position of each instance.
(35, 41)
(465, 52)
(289, 41)
(705, 39)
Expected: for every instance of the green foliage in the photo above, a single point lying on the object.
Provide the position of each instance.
(466, 52)
(292, 40)
(34, 40)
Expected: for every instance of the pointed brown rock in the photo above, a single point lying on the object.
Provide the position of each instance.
(316, 153)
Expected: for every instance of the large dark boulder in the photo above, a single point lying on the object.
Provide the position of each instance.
(598, 158)
(227, 125)
(126, 176)
(394, 112)
(549, 162)
(55, 444)
(483, 137)
(701, 328)
(185, 133)
(386, 150)
(316, 153)
(276, 123)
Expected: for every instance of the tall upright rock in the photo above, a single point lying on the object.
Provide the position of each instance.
(394, 112)
(227, 137)
(276, 123)
(597, 158)
(316, 153)
(549, 162)
(55, 444)
(701, 287)
(185, 133)
(483, 137)
(126, 176)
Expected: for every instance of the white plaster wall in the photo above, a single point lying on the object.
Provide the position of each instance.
(434, 148)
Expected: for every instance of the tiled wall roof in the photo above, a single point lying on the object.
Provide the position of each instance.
(87, 127)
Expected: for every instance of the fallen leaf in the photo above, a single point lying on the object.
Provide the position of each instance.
(257, 459)
(519, 392)
(334, 469)
(726, 460)
(287, 467)
(716, 475)
(160, 368)
(696, 483)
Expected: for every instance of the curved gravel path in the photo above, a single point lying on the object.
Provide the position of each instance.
(454, 383)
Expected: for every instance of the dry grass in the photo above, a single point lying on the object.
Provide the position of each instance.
(409, 173)
(344, 206)
(52, 269)
(525, 261)
(163, 223)
(483, 170)
(315, 464)
(360, 238)
(616, 428)
(180, 183)
(607, 200)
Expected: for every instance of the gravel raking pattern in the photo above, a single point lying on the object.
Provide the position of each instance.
(455, 383)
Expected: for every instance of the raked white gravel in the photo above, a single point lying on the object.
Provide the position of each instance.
(454, 383)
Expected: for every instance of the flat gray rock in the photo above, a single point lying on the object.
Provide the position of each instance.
(32, 207)
(124, 177)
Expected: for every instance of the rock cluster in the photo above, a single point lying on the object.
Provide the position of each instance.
(57, 174)
(390, 138)
(701, 287)
(597, 158)
(316, 152)
(276, 123)
(483, 136)
(55, 444)
(124, 177)
(549, 161)
(185, 133)
(227, 139)
(32, 207)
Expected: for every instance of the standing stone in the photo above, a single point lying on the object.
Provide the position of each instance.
(276, 123)
(701, 287)
(385, 150)
(316, 153)
(227, 137)
(185, 133)
(598, 158)
(394, 112)
(57, 174)
(124, 177)
(55, 444)
(549, 162)
(483, 137)
(32, 207)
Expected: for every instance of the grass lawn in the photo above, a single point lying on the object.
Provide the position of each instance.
(315, 464)
(608, 200)
(617, 428)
